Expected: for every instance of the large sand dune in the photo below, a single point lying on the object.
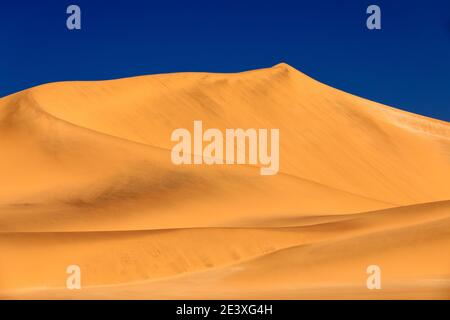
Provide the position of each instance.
(87, 180)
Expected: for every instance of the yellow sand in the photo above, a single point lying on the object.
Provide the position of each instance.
(86, 179)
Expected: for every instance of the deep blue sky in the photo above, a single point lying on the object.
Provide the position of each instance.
(406, 64)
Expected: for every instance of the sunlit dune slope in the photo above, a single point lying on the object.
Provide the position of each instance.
(71, 178)
(87, 179)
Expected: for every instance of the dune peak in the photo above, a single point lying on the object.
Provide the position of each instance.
(284, 65)
(285, 68)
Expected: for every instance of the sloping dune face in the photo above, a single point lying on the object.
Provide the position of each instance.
(87, 180)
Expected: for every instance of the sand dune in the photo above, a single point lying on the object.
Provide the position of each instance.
(87, 180)
(287, 262)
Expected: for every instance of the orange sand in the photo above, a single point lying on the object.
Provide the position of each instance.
(86, 179)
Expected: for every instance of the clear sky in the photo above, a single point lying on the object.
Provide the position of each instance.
(406, 64)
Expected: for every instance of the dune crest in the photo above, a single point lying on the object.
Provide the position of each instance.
(87, 178)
